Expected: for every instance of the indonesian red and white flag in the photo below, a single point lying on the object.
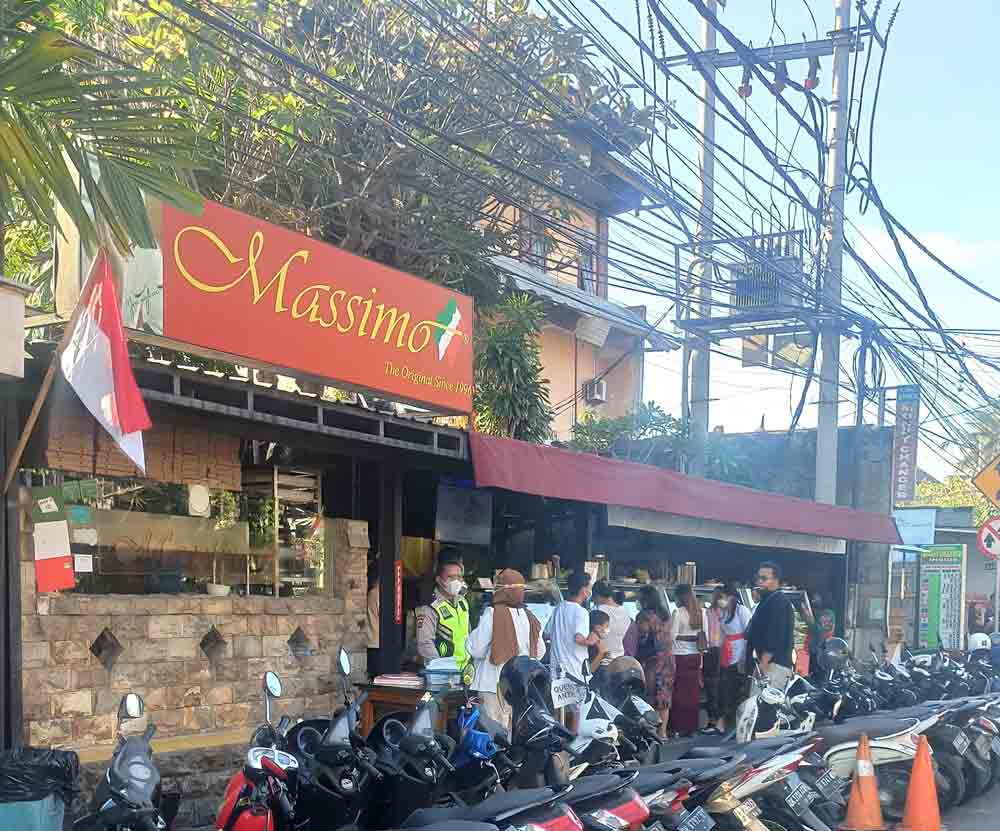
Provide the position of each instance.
(96, 365)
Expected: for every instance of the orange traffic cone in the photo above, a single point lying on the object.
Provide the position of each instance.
(864, 813)
(922, 812)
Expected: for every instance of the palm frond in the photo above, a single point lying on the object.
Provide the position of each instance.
(93, 141)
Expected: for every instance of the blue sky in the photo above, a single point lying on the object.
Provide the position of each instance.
(934, 163)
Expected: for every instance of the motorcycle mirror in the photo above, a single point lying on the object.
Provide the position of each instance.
(272, 684)
(131, 706)
(344, 662)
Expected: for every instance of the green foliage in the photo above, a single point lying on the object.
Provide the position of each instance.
(512, 398)
(26, 255)
(637, 437)
(64, 119)
(341, 151)
(982, 444)
(954, 492)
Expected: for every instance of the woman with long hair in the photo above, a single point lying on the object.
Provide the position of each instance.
(688, 626)
(656, 652)
(733, 621)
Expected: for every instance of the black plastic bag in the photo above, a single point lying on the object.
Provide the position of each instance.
(29, 774)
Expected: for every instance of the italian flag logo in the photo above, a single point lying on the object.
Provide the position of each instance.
(449, 319)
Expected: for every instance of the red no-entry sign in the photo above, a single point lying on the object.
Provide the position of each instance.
(988, 538)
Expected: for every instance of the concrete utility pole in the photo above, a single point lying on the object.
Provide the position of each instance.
(702, 285)
(833, 235)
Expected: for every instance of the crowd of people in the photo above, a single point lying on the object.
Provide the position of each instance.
(683, 652)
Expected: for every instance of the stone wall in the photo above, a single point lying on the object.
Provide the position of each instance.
(190, 687)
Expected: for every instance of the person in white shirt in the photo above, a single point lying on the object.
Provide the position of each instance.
(688, 625)
(734, 618)
(505, 631)
(569, 636)
(614, 643)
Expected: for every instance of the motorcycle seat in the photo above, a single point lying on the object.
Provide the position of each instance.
(588, 787)
(650, 781)
(682, 766)
(697, 770)
(493, 809)
(875, 728)
(920, 711)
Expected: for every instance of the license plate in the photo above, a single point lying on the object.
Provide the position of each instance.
(746, 811)
(995, 745)
(830, 785)
(800, 798)
(960, 743)
(697, 820)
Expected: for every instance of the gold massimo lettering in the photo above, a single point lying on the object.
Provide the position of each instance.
(253, 252)
(219, 244)
(312, 291)
(368, 310)
(349, 313)
(395, 318)
(333, 306)
(355, 298)
(424, 327)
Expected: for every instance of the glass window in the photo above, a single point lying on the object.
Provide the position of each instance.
(141, 537)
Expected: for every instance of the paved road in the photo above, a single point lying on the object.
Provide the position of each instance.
(975, 815)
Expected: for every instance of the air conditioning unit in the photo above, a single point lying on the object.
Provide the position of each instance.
(774, 284)
(596, 391)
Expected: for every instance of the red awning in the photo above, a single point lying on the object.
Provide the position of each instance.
(565, 474)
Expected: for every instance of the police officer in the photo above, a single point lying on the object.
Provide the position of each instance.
(445, 627)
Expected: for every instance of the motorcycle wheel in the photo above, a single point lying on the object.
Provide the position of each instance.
(829, 812)
(949, 776)
(893, 781)
(994, 770)
(977, 782)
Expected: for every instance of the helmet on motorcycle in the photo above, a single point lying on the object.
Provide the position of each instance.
(523, 679)
(624, 677)
(834, 654)
(995, 639)
(980, 640)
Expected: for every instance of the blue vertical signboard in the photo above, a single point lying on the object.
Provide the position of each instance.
(904, 443)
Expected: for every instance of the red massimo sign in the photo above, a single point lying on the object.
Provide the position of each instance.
(231, 283)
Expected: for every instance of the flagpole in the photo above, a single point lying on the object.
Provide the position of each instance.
(50, 374)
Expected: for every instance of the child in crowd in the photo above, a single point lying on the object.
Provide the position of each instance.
(600, 657)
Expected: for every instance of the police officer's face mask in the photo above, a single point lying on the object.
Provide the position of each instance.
(454, 587)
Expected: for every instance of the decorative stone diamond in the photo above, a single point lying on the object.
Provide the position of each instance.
(106, 648)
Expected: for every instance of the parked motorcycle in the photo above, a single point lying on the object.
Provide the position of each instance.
(129, 797)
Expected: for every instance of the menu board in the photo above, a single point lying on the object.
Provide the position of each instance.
(942, 593)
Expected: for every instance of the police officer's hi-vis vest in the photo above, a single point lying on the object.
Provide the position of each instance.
(452, 628)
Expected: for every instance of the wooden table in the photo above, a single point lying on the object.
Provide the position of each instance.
(384, 700)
